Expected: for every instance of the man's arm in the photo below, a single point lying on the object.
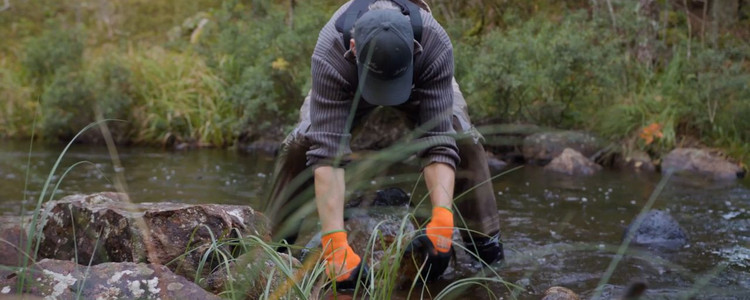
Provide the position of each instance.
(329, 197)
(440, 178)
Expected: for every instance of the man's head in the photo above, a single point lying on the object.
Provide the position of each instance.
(384, 44)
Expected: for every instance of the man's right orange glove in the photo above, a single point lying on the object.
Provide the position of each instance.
(435, 243)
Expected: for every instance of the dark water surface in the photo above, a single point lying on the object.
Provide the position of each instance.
(558, 230)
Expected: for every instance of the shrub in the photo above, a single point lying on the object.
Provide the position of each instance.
(177, 98)
(546, 72)
(17, 108)
(263, 61)
(54, 49)
(71, 100)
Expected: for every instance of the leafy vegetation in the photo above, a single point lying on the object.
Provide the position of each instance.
(212, 73)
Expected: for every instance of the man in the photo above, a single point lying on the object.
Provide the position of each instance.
(387, 65)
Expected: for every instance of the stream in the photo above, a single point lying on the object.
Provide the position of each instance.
(558, 230)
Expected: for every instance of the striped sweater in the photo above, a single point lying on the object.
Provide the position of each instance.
(334, 82)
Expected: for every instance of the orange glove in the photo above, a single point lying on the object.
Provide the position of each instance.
(340, 258)
(440, 229)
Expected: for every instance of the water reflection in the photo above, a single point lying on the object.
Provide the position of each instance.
(151, 175)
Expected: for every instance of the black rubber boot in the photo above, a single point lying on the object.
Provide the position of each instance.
(484, 249)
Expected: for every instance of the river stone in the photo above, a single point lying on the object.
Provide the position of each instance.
(658, 230)
(63, 279)
(382, 214)
(636, 160)
(559, 293)
(249, 275)
(540, 148)
(263, 146)
(495, 165)
(105, 229)
(13, 240)
(699, 162)
(571, 162)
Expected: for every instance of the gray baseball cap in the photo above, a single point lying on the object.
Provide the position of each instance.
(384, 40)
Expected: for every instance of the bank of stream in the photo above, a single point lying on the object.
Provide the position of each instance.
(558, 230)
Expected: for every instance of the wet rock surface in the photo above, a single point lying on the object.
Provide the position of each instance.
(699, 162)
(104, 228)
(559, 293)
(13, 239)
(265, 147)
(57, 279)
(250, 274)
(540, 148)
(637, 160)
(659, 230)
(495, 165)
(571, 162)
(375, 222)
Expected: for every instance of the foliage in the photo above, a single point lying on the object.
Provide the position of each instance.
(54, 49)
(550, 73)
(177, 99)
(263, 59)
(72, 100)
(16, 110)
(214, 72)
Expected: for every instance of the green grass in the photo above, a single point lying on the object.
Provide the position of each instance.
(229, 84)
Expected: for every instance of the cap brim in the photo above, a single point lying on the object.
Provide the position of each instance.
(394, 91)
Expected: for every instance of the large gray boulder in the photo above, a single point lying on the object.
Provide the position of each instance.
(699, 162)
(63, 279)
(103, 228)
(571, 162)
(658, 230)
(540, 148)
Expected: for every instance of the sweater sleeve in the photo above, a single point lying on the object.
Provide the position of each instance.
(434, 91)
(330, 107)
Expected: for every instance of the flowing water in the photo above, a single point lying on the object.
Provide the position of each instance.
(558, 230)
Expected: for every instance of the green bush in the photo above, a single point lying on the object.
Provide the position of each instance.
(54, 49)
(17, 109)
(545, 72)
(264, 61)
(177, 98)
(70, 102)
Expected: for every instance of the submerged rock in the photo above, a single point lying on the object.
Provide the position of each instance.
(542, 147)
(571, 162)
(62, 279)
(101, 228)
(699, 162)
(658, 230)
(376, 223)
(495, 165)
(559, 293)
(637, 161)
(13, 239)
